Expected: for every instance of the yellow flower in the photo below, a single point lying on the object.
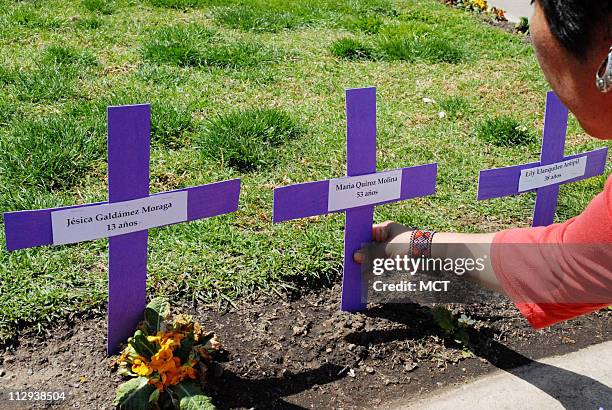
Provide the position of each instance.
(161, 357)
(172, 339)
(154, 339)
(481, 4)
(140, 368)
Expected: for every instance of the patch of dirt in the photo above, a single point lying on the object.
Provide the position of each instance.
(288, 353)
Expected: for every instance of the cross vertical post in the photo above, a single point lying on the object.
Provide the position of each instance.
(553, 147)
(128, 155)
(360, 160)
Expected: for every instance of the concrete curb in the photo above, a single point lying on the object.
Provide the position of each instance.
(578, 380)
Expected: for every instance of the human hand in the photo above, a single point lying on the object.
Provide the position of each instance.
(387, 236)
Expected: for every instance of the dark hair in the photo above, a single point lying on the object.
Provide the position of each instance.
(572, 21)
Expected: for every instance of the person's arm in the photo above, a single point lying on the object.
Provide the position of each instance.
(551, 273)
(470, 246)
(393, 237)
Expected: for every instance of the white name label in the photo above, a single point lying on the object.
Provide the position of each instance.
(352, 192)
(552, 174)
(101, 221)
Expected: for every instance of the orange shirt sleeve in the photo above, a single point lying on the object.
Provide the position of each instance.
(561, 271)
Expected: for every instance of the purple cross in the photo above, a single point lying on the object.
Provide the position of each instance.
(313, 198)
(128, 179)
(500, 182)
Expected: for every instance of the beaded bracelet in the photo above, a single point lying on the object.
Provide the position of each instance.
(420, 243)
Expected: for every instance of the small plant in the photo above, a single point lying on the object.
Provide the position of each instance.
(43, 84)
(367, 24)
(191, 45)
(27, 15)
(498, 14)
(522, 26)
(478, 6)
(453, 327)
(7, 111)
(454, 107)
(56, 55)
(89, 23)
(106, 7)
(257, 18)
(176, 4)
(504, 131)
(424, 47)
(470, 5)
(52, 78)
(165, 358)
(351, 49)
(247, 139)
(169, 124)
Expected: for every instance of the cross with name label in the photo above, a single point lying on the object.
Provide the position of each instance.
(358, 193)
(125, 218)
(546, 176)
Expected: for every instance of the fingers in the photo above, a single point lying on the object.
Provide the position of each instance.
(380, 232)
(359, 256)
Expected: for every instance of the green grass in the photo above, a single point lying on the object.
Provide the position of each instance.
(195, 46)
(277, 15)
(89, 23)
(249, 18)
(49, 153)
(45, 84)
(53, 77)
(248, 139)
(504, 131)
(454, 107)
(169, 124)
(26, 15)
(431, 49)
(365, 24)
(352, 49)
(234, 95)
(105, 7)
(56, 55)
(410, 42)
(178, 4)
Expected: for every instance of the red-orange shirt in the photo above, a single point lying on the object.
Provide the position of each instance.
(561, 271)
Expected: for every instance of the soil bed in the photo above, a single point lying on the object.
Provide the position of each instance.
(285, 352)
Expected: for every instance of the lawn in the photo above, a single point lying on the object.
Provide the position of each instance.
(253, 89)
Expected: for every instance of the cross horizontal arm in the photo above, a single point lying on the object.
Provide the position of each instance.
(499, 182)
(28, 229)
(311, 198)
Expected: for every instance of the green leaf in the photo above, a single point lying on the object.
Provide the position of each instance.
(191, 397)
(444, 318)
(135, 394)
(156, 312)
(186, 347)
(142, 346)
(462, 336)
